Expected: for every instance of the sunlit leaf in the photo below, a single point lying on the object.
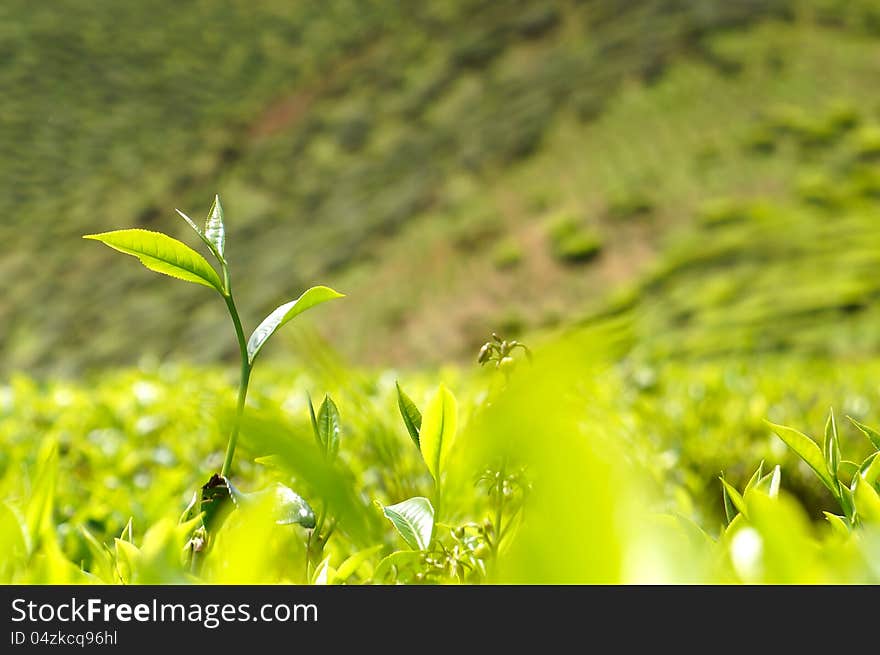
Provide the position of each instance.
(438, 431)
(215, 231)
(735, 497)
(867, 501)
(412, 417)
(284, 314)
(756, 476)
(808, 451)
(351, 565)
(163, 254)
(414, 520)
(838, 524)
(831, 446)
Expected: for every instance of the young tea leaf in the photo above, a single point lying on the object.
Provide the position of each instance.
(867, 501)
(808, 451)
(838, 524)
(438, 431)
(201, 234)
(846, 470)
(412, 417)
(215, 231)
(414, 521)
(328, 427)
(735, 497)
(831, 446)
(284, 314)
(163, 254)
(756, 476)
(871, 433)
(870, 469)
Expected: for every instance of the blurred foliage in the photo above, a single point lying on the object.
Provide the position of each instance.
(712, 169)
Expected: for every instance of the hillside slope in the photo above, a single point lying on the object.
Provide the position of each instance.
(455, 169)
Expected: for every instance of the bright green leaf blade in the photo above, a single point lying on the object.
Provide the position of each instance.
(870, 469)
(872, 434)
(831, 446)
(735, 497)
(867, 501)
(215, 231)
(439, 426)
(414, 520)
(328, 427)
(350, 566)
(756, 476)
(284, 314)
(730, 510)
(838, 524)
(314, 421)
(290, 508)
(808, 451)
(163, 254)
(412, 417)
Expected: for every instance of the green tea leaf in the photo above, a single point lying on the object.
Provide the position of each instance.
(289, 507)
(735, 498)
(867, 501)
(314, 421)
(401, 559)
(808, 451)
(215, 231)
(831, 446)
(163, 254)
(438, 430)
(756, 476)
(414, 521)
(328, 427)
(869, 432)
(838, 524)
(284, 314)
(730, 511)
(870, 468)
(412, 417)
(350, 566)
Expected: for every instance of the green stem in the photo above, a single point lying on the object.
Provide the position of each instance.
(243, 384)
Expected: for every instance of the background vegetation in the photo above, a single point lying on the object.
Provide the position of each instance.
(685, 195)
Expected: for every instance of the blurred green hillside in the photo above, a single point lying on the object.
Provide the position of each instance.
(455, 167)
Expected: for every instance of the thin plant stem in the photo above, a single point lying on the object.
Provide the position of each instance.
(244, 379)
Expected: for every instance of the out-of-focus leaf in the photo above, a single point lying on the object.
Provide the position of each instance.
(284, 314)
(414, 520)
(735, 497)
(846, 470)
(289, 507)
(294, 452)
(756, 476)
(808, 451)
(831, 446)
(870, 469)
(163, 254)
(838, 524)
(328, 427)
(867, 501)
(439, 427)
(872, 434)
(350, 566)
(412, 417)
(394, 563)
